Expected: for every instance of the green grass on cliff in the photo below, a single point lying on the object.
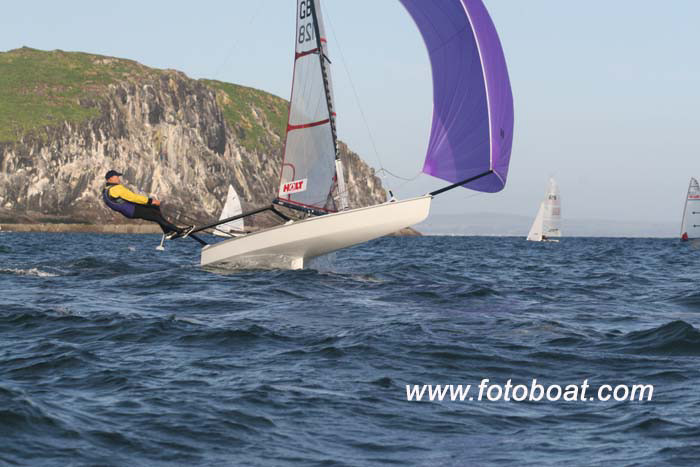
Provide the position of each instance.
(40, 89)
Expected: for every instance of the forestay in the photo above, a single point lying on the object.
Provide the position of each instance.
(472, 128)
(690, 228)
(309, 168)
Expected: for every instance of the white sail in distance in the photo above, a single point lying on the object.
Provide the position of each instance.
(535, 234)
(232, 207)
(547, 224)
(308, 175)
(552, 211)
(690, 227)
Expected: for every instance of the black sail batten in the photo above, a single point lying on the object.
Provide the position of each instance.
(458, 184)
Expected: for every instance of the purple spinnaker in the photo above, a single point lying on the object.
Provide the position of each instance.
(472, 129)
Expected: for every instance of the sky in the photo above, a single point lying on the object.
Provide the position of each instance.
(605, 92)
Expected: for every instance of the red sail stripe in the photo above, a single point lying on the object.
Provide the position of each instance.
(307, 125)
(304, 54)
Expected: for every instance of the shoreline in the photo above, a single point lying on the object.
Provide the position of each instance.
(83, 228)
(134, 228)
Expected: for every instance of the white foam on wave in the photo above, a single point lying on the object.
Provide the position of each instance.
(27, 272)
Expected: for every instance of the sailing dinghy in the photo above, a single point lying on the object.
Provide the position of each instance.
(232, 208)
(690, 227)
(469, 146)
(547, 224)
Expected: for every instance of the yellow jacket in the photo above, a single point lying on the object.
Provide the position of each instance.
(120, 191)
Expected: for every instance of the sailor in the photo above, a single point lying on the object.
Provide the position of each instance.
(119, 198)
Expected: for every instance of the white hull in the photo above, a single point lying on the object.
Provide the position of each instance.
(290, 246)
(540, 239)
(229, 234)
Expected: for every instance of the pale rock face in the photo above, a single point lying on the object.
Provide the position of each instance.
(170, 139)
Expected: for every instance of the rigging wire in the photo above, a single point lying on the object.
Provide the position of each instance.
(236, 41)
(406, 179)
(362, 112)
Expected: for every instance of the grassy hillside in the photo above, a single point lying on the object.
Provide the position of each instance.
(39, 89)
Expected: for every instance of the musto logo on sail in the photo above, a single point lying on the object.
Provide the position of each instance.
(295, 186)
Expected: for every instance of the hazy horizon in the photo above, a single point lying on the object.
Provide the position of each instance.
(601, 103)
(516, 225)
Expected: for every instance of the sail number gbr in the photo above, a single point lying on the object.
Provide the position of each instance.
(306, 31)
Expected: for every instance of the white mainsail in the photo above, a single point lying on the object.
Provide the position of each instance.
(552, 211)
(547, 224)
(232, 207)
(690, 227)
(309, 176)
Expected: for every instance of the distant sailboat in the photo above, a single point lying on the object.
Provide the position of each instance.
(690, 227)
(232, 208)
(547, 224)
(470, 140)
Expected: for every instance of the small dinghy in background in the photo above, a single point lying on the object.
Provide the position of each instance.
(690, 226)
(232, 208)
(547, 224)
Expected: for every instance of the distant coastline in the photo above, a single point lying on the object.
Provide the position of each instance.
(492, 224)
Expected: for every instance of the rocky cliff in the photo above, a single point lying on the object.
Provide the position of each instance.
(66, 118)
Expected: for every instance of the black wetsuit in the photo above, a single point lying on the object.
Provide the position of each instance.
(135, 206)
(152, 213)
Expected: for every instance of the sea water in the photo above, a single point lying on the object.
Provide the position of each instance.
(112, 353)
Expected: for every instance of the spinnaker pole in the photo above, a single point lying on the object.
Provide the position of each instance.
(239, 216)
(458, 184)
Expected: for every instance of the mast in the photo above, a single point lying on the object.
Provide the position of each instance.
(320, 41)
(323, 58)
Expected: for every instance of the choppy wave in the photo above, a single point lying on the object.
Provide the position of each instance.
(674, 338)
(27, 272)
(690, 299)
(113, 353)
